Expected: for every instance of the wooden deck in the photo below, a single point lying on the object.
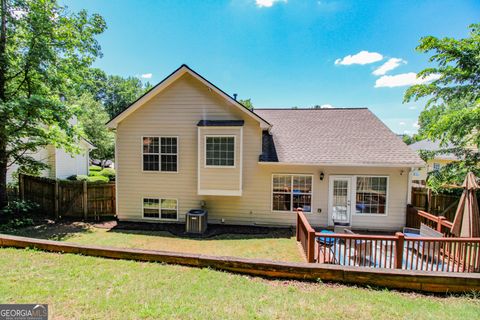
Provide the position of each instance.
(440, 282)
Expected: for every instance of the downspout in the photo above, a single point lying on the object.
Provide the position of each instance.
(409, 186)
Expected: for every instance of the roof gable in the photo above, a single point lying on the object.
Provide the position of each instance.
(174, 76)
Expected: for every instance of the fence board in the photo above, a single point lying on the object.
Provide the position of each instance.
(68, 201)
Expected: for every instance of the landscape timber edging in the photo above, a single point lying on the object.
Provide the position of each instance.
(425, 281)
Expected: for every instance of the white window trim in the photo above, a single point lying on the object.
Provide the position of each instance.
(291, 193)
(354, 196)
(219, 136)
(159, 208)
(159, 154)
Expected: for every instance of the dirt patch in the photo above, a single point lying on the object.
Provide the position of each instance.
(52, 230)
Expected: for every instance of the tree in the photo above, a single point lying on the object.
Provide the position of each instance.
(92, 121)
(409, 139)
(247, 103)
(452, 111)
(114, 92)
(44, 52)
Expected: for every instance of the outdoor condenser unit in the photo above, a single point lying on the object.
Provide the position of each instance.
(196, 221)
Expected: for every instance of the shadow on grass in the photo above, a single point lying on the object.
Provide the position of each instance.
(53, 231)
(214, 231)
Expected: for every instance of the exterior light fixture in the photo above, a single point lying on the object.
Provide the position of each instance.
(322, 175)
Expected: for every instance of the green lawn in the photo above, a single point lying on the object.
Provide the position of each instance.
(79, 287)
(267, 246)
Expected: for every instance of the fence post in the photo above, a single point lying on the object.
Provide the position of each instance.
(56, 199)
(85, 200)
(399, 250)
(311, 246)
(21, 186)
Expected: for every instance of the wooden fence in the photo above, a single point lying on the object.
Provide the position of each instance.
(399, 251)
(416, 217)
(69, 199)
(436, 204)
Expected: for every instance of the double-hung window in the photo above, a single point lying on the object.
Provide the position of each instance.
(160, 154)
(371, 195)
(220, 151)
(291, 192)
(163, 209)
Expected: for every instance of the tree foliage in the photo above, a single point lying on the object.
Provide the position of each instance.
(92, 121)
(452, 110)
(44, 52)
(247, 103)
(114, 92)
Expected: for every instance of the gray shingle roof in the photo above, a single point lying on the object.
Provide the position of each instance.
(429, 145)
(335, 136)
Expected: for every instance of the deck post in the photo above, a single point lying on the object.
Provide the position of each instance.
(399, 250)
(311, 246)
(298, 226)
(440, 223)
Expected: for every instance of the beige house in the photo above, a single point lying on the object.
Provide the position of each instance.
(187, 144)
(419, 176)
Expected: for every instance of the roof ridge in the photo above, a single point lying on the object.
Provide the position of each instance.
(305, 109)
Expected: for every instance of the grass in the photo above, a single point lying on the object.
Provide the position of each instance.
(79, 287)
(268, 246)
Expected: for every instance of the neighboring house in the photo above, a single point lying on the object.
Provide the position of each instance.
(61, 164)
(186, 144)
(419, 176)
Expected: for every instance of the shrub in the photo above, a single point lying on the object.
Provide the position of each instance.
(108, 172)
(73, 177)
(98, 179)
(82, 177)
(95, 173)
(95, 168)
(19, 207)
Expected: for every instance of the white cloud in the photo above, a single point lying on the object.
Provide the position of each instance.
(326, 106)
(402, 123)
(391, 64)
(412, 107)
(146, 76)
(416, 125)
(403, 79)
(267, 3)
(363, 57)
(406, 131)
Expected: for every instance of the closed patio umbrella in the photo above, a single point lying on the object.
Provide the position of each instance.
(467, 218)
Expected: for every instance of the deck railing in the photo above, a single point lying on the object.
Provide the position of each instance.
(416, 217)
(397, 251)
(306, 236)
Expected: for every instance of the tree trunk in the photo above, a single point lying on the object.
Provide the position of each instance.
(3, 175)
(3, 74)
(3, 50)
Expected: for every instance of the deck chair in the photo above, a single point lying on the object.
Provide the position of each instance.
(363, 250)
(432, 250)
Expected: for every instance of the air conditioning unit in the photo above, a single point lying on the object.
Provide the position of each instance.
(196, 221)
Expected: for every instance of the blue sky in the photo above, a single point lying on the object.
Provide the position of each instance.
(284, 53)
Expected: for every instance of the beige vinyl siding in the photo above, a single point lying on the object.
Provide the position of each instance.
(220, 178)
(176, 112)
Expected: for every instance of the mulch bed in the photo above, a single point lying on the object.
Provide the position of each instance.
(178, 229)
